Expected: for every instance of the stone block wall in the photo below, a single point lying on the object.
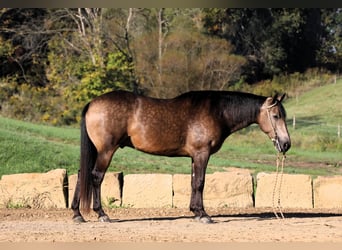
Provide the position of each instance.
(233, 188)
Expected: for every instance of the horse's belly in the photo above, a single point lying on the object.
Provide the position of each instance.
(158, 145)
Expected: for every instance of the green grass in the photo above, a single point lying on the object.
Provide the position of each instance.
(316, 150)
(318, 113)
(27, 147)
(319, 105)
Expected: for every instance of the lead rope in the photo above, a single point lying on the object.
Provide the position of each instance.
(277, 169)
(279, 189)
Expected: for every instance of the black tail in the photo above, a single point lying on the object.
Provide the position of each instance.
(87, 162)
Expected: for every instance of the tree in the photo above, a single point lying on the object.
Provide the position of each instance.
(273, 40)
(330, 53)
(174, 57)
(202, 62)
(89, 39)
(121, 27)
(24, 30)
(65, 54)
(84, 60)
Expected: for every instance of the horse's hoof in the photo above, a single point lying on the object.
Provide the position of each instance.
(204, 219)
(78, 219)
(104, 218)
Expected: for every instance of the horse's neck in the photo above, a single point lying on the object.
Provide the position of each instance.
(238, 117)
(241, 125)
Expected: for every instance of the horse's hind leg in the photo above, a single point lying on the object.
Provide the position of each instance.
(98, 173)
(199, 165)
(75, 205)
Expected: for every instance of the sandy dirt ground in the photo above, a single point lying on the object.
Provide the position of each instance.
(171, 225)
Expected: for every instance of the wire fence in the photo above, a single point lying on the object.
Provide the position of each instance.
(327, 129)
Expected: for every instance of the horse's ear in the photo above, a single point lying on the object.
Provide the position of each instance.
(269, 101)
(280, 98)
(275, 98)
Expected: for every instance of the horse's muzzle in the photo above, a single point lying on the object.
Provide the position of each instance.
(281, 146)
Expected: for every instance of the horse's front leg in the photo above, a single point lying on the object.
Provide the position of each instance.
(198, 169)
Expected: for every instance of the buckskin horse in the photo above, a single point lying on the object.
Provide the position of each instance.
(194, 124)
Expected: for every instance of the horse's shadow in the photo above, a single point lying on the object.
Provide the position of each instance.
(221, 218)
(271, 216)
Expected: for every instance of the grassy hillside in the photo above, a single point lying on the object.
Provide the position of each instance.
(320, 105)
(318, 114)
(27, 147)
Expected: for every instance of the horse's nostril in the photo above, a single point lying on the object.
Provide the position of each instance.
(286, 146)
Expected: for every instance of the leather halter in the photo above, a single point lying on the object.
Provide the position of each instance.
(275, 139)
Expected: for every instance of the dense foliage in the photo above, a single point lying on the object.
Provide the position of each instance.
(53, 61)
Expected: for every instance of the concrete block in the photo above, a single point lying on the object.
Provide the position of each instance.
(295, 192)
(34, 190)
(147, 190)
(222, 189)
(229, 189)
(327, 192)
(181, 190)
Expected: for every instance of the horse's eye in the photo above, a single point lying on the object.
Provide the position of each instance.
(276, 117)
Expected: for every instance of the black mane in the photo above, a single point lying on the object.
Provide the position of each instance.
(239, 106)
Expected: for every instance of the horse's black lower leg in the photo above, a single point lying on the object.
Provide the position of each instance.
(199, 165)
(97, 206)
(75, 205)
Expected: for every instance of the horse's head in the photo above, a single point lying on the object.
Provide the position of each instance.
(272, 121)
